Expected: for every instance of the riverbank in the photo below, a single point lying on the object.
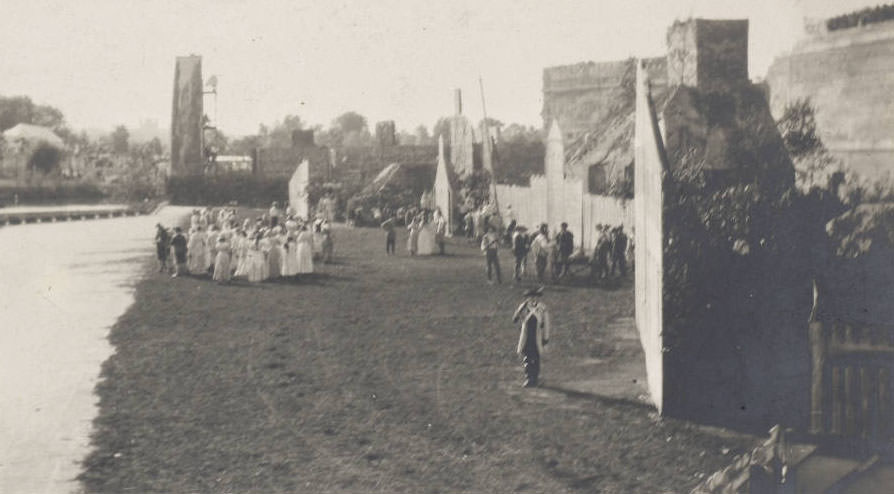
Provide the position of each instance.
(63, 286)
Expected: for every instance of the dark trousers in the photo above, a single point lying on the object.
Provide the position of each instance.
(531, 355)
(621, 263)
(541, 268)
(493, 263)
(564, 264)
(520, 265)
(389, 244)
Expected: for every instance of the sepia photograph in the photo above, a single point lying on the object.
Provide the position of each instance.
(463, 247)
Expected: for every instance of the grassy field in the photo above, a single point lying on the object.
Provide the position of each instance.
(382, 374)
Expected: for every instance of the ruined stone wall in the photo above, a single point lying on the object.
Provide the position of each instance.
(849, 76)
(708, 54)
(584, 95)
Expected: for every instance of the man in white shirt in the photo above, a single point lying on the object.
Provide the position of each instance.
(490, 243)
(274, 214)
(541, 247)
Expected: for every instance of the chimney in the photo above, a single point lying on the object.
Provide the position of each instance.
(458, 101)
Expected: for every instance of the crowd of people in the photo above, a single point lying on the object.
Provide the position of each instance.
(257, 249)
(427, 230)
(552, 254)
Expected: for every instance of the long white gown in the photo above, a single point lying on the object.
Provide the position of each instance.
(427, 244)
(210, 244)
(222, 271)
(195, 252)
(304, 254)
(289, 258)
(255, 262)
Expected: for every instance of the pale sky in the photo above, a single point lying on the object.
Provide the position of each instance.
(106, 62)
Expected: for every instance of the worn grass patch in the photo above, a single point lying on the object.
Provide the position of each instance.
(377, 374)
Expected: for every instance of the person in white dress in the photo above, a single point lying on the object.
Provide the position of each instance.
(427, 244)
(222, 257)
(274, 254)
(240, 248)
(255, 261)
(210, 245)
(305, 251)
(289, 256)
(195, 249)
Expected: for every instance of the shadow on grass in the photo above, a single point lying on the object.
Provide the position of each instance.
(607, 400)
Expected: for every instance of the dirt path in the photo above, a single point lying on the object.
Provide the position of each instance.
(381, 375)
(62, 287)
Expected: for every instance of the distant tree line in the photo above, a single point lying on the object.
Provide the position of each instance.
(869, 15)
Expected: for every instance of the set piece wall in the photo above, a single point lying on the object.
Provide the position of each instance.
(738, 367)
(581, 96)
(186, 117)
(554, 198)
(651, 165)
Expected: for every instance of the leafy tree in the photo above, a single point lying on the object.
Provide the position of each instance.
(245, 145)
(798, 128)
(474, 188)
(15, 110)
(119, 140)
(45, 159)
(281, 134)
(349, 129)
(350, 122)
(442, 128)
(423, 138)
(521, 133)
(154, 147)
(20, 109)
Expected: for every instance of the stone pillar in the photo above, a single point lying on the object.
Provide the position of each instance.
(461, 140)
(186, 118)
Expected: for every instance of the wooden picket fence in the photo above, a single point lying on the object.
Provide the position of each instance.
(851, 391)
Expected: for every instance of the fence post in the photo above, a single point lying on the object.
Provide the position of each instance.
(816, 336)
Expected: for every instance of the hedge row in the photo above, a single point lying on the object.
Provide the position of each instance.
(50, 194)
(247, 190)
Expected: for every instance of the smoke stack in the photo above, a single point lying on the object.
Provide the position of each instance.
(458, 101)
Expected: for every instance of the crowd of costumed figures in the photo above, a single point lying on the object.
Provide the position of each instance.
(221, 246)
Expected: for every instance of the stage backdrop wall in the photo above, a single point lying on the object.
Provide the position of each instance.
(582, 211)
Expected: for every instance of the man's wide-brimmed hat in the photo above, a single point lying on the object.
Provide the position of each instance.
(534, 292)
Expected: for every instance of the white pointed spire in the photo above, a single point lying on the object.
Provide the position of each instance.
(440, 149)
(555, 134)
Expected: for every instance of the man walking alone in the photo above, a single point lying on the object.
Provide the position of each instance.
(565, 241)
(534, 334)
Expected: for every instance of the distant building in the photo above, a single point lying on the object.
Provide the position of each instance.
(32, 153)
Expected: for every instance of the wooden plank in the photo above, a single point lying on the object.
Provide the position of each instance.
(850, 424)
(884, 403)
(865, 419)
(837, 425)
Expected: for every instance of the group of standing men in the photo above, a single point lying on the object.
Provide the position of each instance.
(610, 255)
